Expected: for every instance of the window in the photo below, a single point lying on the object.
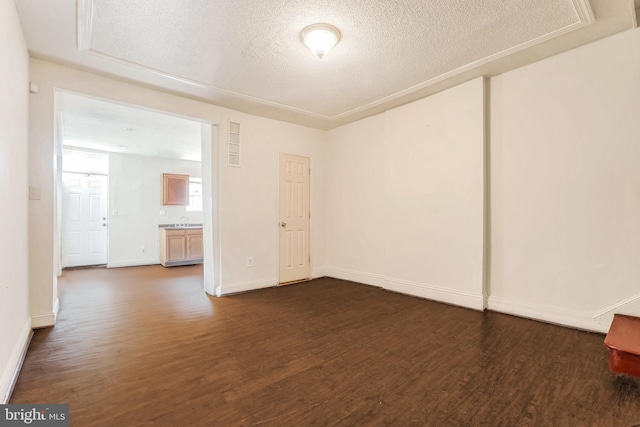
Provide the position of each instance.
(195, 195)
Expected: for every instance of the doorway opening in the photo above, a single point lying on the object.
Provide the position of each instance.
(112, 215)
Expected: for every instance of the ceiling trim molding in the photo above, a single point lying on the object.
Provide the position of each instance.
(84, 31)
(203, 85)
(583, 8)
(84, 24)
(585, 16)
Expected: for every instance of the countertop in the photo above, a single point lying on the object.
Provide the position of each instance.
(180, 227)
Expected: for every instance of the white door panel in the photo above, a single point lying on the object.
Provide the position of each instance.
(84, 220)
(295, 225)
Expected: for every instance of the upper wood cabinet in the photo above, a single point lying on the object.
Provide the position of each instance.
(175, 189)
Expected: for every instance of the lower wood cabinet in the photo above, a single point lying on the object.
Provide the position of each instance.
(194, 244)
(180, 246)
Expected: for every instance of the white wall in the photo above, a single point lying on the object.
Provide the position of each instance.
(564, 227)
(404, 189)
(405, 198)
(81, 161)
(135, 192)
(565, 184)
(249, 209)
(248, 195)
(15, 323)
(356, 201)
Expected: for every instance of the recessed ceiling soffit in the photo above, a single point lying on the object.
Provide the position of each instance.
(252, 51)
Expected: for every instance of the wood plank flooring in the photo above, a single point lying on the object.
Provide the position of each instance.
(145, 346)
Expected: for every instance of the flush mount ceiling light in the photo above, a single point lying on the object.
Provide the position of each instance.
(320, 38)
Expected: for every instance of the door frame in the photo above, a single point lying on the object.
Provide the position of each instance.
(210, 135)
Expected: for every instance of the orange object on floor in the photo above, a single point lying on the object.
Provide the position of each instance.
(623, 341)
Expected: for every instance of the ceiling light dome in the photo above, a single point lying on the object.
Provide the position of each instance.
(320, 38)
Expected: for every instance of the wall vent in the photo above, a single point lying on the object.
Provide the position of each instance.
(234, 144)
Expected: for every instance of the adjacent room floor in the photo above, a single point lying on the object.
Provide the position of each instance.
(145, 346)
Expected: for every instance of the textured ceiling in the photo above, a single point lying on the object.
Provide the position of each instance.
(248, 55)
(97, 125)
(385, 48)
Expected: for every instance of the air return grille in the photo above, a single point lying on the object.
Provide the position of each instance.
(234, 144)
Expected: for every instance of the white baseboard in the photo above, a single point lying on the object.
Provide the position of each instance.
(44, 320)
(317, 272)
(449, 296)
(56, 310)
(12, 368)
(619, 306)
(629, 306)
(133, 263)
(573, 319)
(247, 286)
(355, 276)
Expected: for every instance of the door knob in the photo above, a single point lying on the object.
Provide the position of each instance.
(283, 224)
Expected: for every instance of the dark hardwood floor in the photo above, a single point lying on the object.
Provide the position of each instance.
(145, 346)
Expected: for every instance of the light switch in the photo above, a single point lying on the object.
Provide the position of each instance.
(115, 212)
(163, 212)
(34, 193)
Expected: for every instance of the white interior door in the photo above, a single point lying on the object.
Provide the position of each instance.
(295, 225)
(84, 219)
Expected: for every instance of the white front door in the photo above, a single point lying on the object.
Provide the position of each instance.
(84, 219)
(295, 225)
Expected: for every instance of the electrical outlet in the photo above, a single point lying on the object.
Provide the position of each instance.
(249, 261)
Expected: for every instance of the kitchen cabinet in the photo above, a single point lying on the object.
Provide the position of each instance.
(175, 189)
(194, 244)
(180, 246)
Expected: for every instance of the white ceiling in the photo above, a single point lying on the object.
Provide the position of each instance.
(249, 56)
(98, 125)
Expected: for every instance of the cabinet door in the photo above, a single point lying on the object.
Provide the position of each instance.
(175, 189)
(176, 245)
(194, 244)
